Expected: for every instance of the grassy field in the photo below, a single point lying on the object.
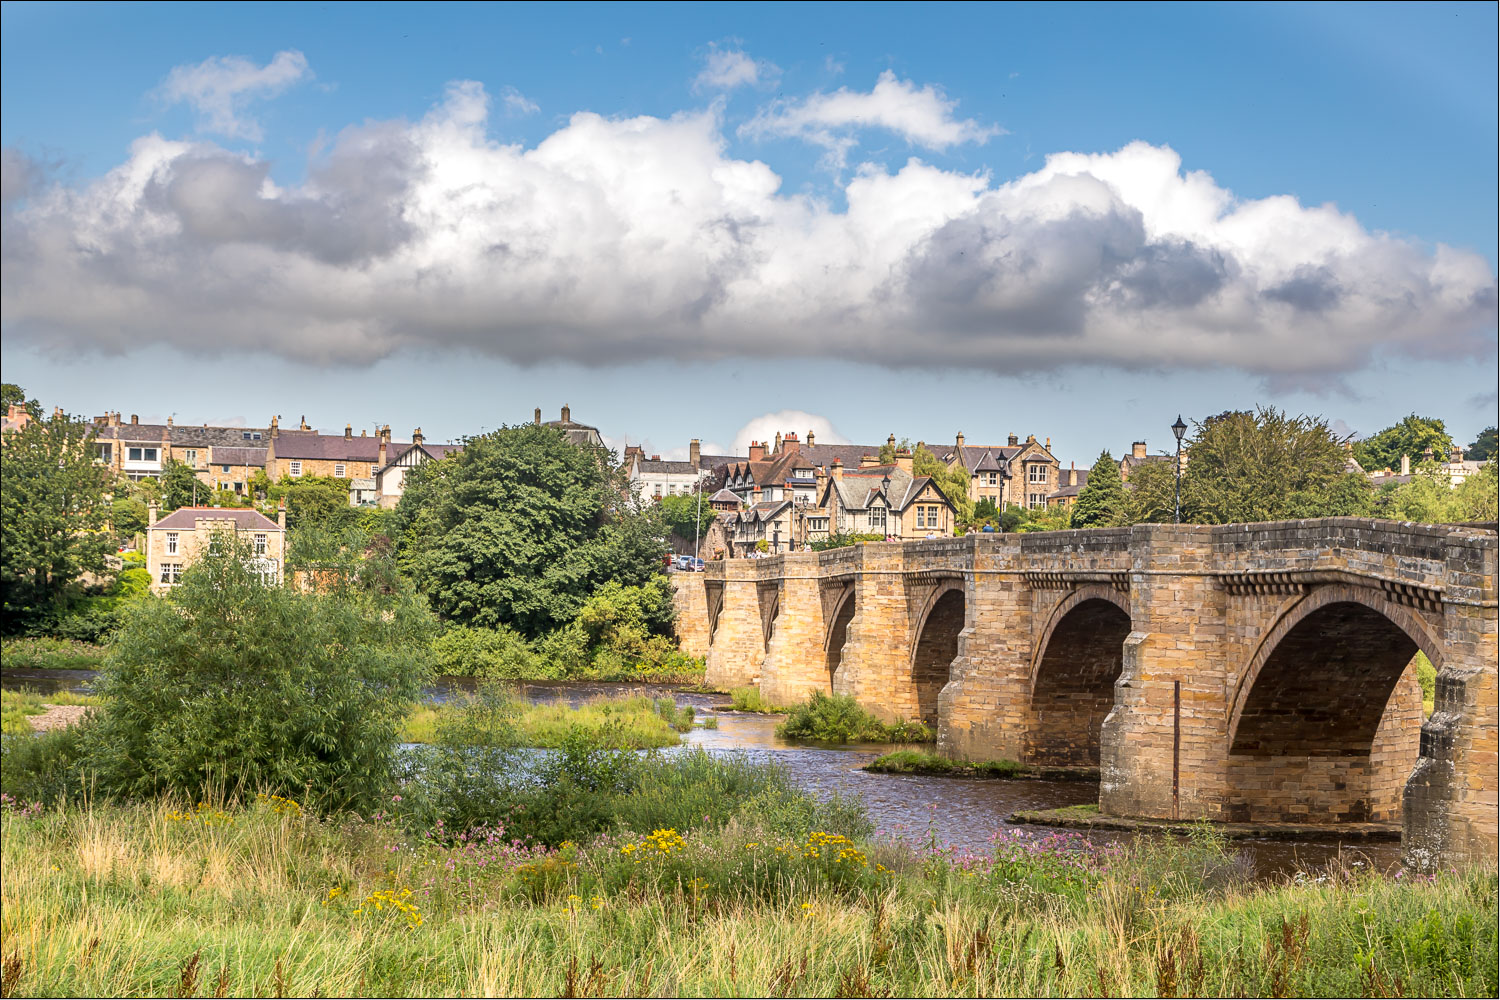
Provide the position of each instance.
(630, 723)
(49, 654)
(17, 706)
(264, 899)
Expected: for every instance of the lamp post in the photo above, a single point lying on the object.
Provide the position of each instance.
(1177, 431)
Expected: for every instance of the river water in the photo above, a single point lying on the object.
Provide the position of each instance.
(962, 812)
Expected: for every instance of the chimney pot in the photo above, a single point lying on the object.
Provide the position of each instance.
(134, 419)
(152, 510)
(348, 432)
(1138, 449)
(416, 436)
(695, 454)
(537, 416)
(1011, 441)
(169, 421)
(809, 437)
(1406, 465)
(959, 441)
(567, 414)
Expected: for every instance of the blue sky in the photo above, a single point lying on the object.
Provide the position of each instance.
(332, 227)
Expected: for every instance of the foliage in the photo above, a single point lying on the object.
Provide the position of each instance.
(180, 487)
(624, 723)
(1267, 466)
(682, 513)
(748, 699)
(1483, 448)
(912, 761)
(1055, 518)
(129, 516)
(519, 528)
(954, 482)
(840, 719)
(1151, 494)
(320, 502)
(104, 900)
(19, 704)
(1427, 678)
(1412, 436)
(1430, 497)
(234, 683)
(50, 653)
(54, 513)
(13, 395)
(499, 653)
(1101, 502)
(986, 510)
(840, 540)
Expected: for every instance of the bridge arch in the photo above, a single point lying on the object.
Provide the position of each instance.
(1326, 717)
(936, 646)
(1077, 660)
(838, 633)
(771, 608)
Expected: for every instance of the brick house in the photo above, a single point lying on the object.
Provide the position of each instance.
(177, 541)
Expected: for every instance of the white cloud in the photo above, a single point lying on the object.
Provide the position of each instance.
(923, 117)
(630, 239)
(219, 88)
(726, 69)
(765, 427)
(517, 103)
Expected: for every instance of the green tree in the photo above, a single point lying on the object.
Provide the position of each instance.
(181, 488)
(1483, 447)
(954, 482)
(55, 510)
(1151, 494)
(985, 510)
(1411, 437)
(234, 684)
(682, 513)
(1430, 497)
(13, 395)
(1267, 466)
(1101, 502)
(128, 514)
(320, 502)
(520, 528)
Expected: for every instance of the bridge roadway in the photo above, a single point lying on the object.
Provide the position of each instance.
(1248, 672)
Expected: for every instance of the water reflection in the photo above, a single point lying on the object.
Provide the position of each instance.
(964, 813)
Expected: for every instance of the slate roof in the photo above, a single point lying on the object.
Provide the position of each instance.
(187, 518)
(984, 457)
(1071, 491)
(239, 456)
(185, 435)
(669, 468)
(333, 447)
(724, 496)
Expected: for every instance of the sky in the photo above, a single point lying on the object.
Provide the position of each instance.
(721, 221)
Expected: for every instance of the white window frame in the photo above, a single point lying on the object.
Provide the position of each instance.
(338, 471)
(294, 468)
(171, 543)
(190, 456)
(1036, 473)
(104, 452)
(1036, 501)
(260, 543)
(872, 518)
(171, 573)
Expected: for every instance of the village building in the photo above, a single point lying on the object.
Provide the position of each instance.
(884, 500)
(652, 478)
(576, 433)
(180, 539)
(1019, 473)
(1071, 482)
(390, 480)
(1139, 457)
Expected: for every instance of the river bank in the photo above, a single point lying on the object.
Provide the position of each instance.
(264, 898)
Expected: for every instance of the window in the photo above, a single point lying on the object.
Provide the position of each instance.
(190, 456)
(142, 454)
(1036, 473)
(260, 543)
(104, 452)
(1036, 501)
(171, 543)
(250, 435)
(171, 572)
(992, 478)
(223, 468)
(338, 470)
(921, 517)
(877, 520)
(296, 469)
(239, 487)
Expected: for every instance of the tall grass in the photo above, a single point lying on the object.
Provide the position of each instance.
(632, 722)
(748, 699)
(17, 705)
(263, 899)
(47, 653)
(840, 719)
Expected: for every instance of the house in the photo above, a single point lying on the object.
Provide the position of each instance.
(16, 418)
(389, 481)
(576, 433)
(1138, 457)
(177, 541)
(881, 500)
(306, 452)
(1071, 482)
(768, 521)
(140, 451)
(1019, 473)
(653, 478)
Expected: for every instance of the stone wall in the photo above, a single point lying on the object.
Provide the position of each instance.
(690, 599)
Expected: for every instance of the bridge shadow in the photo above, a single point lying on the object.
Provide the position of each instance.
(1073, 686)
(935, 649)
(838, 633)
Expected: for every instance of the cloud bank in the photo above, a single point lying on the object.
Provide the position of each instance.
(627, 239)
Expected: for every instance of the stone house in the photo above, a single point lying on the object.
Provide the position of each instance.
(178, 540)
(652, 478)
(389, 482)
(1071, 482)
(1020, 473)
(1139, 457)
(769, 521)
(576, 433)
(306, 452)
(881, 500)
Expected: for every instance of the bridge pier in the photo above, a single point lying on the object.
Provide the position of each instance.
(874, 667)
(690, 599)
(796, 661)
(983, 710)
(738, 635)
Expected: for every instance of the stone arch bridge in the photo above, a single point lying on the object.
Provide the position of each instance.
(1255, 672)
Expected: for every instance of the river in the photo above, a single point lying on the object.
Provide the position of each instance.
(962, 812)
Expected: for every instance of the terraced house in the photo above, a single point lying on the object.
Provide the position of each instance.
(221, 457)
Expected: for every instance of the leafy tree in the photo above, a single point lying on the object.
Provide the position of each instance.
(1101, 502)
(55, 509)
(682, 513)
(1429, 497)
(954, 482)
(234, 684)
(1484, 446)
(13, 395)
(985, 510)
(1411, 437)
(1013, 517)
(1267, 466)
(520, 528)
(129, 516)
(180, 487)
(888, 452)
(1150, 495)
(1057, 518)
(311, 501)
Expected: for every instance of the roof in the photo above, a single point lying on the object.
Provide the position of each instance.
(184, 435)
(187, 518)
(669, 468)
(1074, 490)
(984, 457)
(333, 447)
(724, 496)
(859, 488)
(239, 456)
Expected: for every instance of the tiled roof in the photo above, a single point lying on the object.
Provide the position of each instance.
(1074, 490)
(983, 457)
(724, 496)
(185, 435)
(669, 468)
(239, 456)
(187, 518)
(334, 447)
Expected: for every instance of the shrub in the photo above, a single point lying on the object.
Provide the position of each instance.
(748, 699)
(232, 682)
(43, 767)
(499, 653)
(840, 719)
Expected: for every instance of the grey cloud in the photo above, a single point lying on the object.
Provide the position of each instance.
(1173, 275)
(1311, 289)
(19, 176)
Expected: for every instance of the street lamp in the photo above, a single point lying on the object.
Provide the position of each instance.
(1177, 431)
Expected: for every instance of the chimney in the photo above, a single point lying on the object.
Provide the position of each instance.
(281, 515)
(1427, 454)
(903, 459)
(275, 425)
(416, 436)
(958, 443)
(755, 495)
(302, 422)
(151, 511)
(536, 417)
(1031, 439)
(363, 432)
(837, 470)
(169, 421)
(891, 440)
(1011, 441)
(757, 451)
(695, 455)
(776, 450)
(1072, 473)
(384, 435)
(868, 461)
(1138, 449)
(134, 419)
(790, 445)
(1049, 444)
(348, 432)
(1457, 455)
(567, 414)
(1406, 465)
(656, 458)
(809, 437)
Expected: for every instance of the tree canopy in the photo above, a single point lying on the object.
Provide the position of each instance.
(1483, 448)
(1268, 466)
(55, 510)
(520, 528)
(682, 512)
(953, 481)
(1412, 436)
(1101, 502)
